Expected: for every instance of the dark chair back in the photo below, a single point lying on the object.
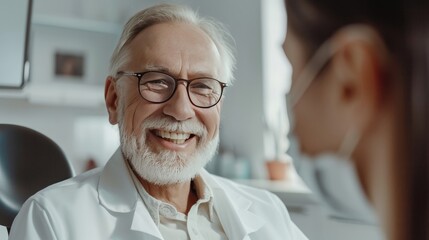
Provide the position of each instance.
(29, 162)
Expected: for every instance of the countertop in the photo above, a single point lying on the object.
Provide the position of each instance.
(292, 190)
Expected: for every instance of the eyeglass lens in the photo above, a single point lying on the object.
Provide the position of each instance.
(158, 87)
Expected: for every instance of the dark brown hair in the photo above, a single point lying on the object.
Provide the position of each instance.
(404, 27)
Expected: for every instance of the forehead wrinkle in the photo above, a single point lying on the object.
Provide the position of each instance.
(194, 74)
(158, 68)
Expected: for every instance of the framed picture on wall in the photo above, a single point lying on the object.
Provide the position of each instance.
(69, 65)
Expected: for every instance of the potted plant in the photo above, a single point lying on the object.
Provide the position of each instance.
(278, 164)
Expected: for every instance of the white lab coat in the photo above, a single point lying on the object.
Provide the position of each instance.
(104, 204)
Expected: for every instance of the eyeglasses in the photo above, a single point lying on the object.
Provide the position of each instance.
(159, 87)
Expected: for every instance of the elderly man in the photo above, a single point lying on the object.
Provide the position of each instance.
(164, 91)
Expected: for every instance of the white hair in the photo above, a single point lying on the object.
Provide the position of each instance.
(173, 13)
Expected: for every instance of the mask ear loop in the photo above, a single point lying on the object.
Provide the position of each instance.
(310, 71)
(349, 143)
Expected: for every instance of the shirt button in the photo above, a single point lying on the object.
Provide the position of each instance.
(166, 211)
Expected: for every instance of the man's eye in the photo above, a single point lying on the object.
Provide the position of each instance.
(201, 86)
(203, 91)
(157, 84)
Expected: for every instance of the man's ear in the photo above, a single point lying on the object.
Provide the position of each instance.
(111, 99)
(358, 67)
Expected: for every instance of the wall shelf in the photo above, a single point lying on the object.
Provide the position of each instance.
(12, 94)
(58, 94)
(66, 94)
(78, 24)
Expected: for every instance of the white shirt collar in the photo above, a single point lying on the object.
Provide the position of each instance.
(157, 207)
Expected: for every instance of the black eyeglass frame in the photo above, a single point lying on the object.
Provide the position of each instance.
(139, 76)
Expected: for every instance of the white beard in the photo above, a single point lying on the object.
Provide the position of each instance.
(167, 167)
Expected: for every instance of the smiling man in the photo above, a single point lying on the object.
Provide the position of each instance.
(164, 91)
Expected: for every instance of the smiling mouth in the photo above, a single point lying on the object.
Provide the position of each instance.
(174, 137)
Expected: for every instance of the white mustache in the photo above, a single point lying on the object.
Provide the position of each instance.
(167, 124)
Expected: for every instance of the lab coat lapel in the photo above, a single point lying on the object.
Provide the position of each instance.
(142, 222)
(233, 210)
(117, 193)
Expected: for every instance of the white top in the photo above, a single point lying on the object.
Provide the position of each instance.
(3, 232)
(202, 221)
(103, 204)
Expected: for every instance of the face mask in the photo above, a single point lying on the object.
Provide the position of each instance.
(331, 176)
(333, 180)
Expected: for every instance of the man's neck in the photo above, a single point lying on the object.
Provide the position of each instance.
(180, 195)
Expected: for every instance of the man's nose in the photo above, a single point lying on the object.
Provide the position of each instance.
(179, 106)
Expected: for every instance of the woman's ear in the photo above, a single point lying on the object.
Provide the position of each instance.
(357, 69)
(111, 98)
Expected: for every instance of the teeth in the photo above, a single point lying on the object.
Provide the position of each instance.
(177, 141)
(177, 138)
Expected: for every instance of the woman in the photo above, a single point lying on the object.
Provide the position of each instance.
(360, 89)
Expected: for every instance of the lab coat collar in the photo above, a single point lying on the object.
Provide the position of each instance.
(116, 190)
(117, 193)
(233, 209)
